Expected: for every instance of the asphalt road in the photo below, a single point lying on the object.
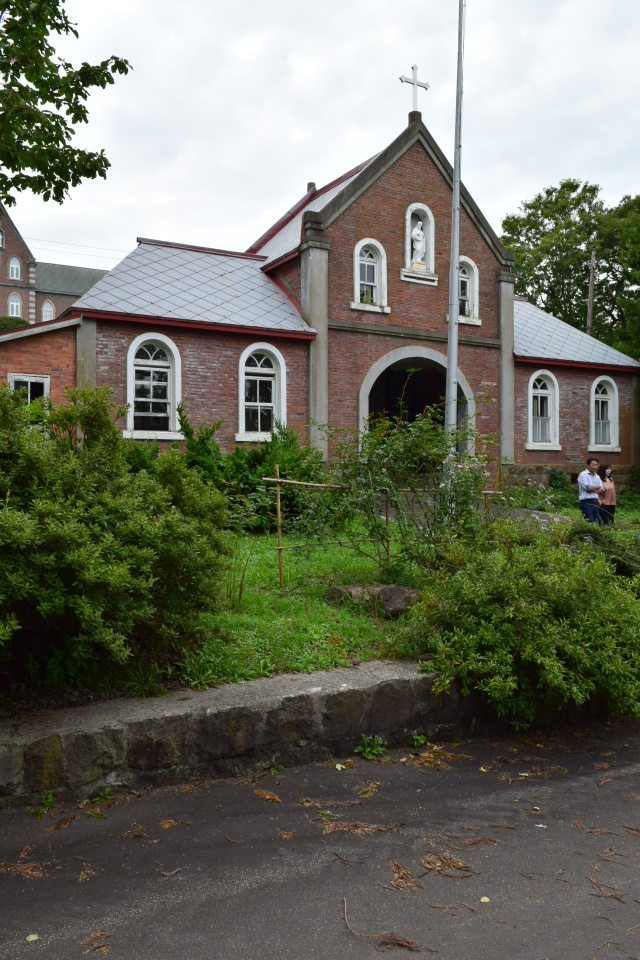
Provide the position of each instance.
(522, 849)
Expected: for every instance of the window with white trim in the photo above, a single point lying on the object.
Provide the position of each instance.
(15, 269)
(543, 425)
(468, 291)
(262, 392)
(369, 277)
(153, 388)
(48, 311)
(33, 386)
(604, 428)
(1, 239)
(15, 305)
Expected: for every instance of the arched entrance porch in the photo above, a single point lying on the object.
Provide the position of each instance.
(390, 385)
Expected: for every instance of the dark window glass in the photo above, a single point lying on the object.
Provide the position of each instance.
(251, 419)
(266, 420)
(251, 391)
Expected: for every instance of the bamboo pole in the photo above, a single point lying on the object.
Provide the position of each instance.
(302, 483)
(279, 526)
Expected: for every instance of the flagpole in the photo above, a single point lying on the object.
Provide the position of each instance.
(451, 398)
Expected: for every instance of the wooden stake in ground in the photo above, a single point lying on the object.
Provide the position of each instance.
(279, 526)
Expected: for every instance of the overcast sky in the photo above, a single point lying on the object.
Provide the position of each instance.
(233, 105)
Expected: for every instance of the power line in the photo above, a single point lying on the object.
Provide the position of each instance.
(86, 246)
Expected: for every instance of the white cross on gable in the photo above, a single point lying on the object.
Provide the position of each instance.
(415, 83)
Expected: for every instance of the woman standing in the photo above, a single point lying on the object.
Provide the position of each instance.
(608, 496)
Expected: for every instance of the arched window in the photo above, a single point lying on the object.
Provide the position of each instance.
(48, 311)
(543, 428)
(261, 392)
(419, 245)
(15, 306)
(369, 277)
(153, 388)
(1, 239)
(604, 429)
(468, 291)
(15, 269)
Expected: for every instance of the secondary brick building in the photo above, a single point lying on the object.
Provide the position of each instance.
(337, 312)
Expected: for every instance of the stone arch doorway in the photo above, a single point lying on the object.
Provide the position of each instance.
(390, 385)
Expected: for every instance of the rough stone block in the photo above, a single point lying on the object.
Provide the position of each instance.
(345, 716)
(90, 756)
(290, 721)
(226, 733)
(43, 764)
(390, 706)
(11, 769)
(156, 744)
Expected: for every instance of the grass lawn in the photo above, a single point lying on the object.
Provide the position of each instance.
(265, 630)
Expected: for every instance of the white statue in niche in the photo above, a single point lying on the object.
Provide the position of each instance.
(419, 245)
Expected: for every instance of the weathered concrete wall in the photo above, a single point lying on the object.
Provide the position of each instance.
(228, 730)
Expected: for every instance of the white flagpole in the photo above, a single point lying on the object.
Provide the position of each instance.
(451, 397)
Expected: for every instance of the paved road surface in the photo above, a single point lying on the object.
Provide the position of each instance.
(548, 826)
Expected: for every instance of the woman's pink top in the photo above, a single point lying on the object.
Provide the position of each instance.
(608, 498)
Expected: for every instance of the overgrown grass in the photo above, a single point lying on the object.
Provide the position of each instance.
(266, 630)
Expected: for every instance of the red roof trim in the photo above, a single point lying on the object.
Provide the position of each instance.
(280, 262)
(281, 286)
(580, 365)
(189, 324)
(297, 207)
(189, 246)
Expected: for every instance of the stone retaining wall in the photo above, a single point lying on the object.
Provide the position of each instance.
(233, 729)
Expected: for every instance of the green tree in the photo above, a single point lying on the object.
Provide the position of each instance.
(42, 97)
(553, 236)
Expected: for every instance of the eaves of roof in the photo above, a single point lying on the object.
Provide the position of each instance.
(212, 328)
(579, 364)
(35, 329)
(189, 246)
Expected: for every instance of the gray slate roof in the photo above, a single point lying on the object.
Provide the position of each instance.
(181, 283)
(288, 238)
(63, 279)
(539, 334)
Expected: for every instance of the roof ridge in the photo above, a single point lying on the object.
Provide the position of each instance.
(304, 201)
(199, 249)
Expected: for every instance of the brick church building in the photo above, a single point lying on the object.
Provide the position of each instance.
(321, 319)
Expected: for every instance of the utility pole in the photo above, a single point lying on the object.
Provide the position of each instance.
(592, 279)
(451, 397)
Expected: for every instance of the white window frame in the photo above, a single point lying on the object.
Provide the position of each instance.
(1, 239)
(12, 301)
(49, 304)
(15, 269)
(30, 378)
(428, 227)
(279, 392)
(474, 293)
(175, 389)
(554, 412)
(380, 305)
(614, 445)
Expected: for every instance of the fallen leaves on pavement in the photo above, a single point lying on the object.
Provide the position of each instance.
(403, 879)
(368, 789)
(28, 871)
(134, 831)
(64, 823)
(386, 940)
(97, 943)
(441, 862)
(632, 830)
(268, 796)
(362, 829)
(474, 840)
(168, 824)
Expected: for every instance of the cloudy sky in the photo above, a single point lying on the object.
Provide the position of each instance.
(233, 105)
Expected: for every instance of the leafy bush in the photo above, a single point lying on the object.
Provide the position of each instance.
(12, 323)
(530, 621)
(97, 561)
(399, 481)
(240, 474)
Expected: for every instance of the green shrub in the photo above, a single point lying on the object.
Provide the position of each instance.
(240, 474)
(533, 621)
(12, 323)
(97, 561)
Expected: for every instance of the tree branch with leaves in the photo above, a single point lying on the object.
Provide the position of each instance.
(42, 98)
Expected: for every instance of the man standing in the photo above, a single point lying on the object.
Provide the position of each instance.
(589, 485)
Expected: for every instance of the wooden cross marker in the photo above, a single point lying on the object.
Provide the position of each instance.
(415, 83)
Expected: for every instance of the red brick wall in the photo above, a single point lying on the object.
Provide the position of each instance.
(209, 372)
(351, 355)
(574, 387)
(14, 246)
(289, 275)
(379, 213)
(59, 301)
(51, 354)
